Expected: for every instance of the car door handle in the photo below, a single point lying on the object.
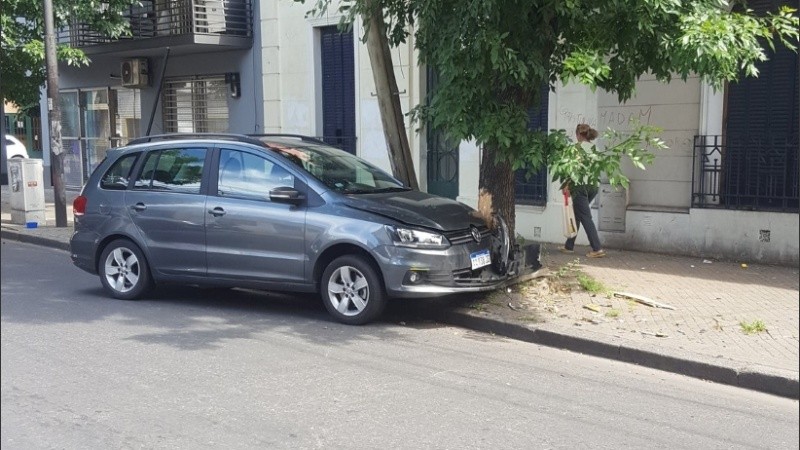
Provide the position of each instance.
(139, 207)
(216, 212)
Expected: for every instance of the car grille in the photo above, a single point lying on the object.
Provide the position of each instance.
(458, 277)
(465, 236)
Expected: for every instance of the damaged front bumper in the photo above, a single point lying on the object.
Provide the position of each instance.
(414, 273)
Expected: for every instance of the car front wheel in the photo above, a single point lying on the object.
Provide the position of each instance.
(123, 270)
(352, 291)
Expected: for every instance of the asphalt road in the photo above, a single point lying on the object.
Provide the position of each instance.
(194, 368)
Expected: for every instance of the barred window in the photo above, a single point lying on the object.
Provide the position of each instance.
(196, 105)
(533, 190)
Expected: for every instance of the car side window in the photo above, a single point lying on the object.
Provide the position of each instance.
(244, 175)
(118, 175)
(174, 170)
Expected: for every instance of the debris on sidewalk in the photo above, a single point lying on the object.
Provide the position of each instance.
(707, 261)
(592, 307)
(643, 300)
(657, 334)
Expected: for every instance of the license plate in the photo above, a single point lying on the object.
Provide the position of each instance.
(480, 259)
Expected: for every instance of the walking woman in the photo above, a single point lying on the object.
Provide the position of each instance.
(582, 196)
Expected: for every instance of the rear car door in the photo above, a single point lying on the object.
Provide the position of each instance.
(167, 206)
(248, 236)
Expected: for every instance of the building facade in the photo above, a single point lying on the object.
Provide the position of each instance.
(188, 66)
(727, 187)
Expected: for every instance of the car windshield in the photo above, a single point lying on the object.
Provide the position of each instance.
(338, 170)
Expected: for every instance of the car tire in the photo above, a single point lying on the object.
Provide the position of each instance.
(124, 271)
(352, 291)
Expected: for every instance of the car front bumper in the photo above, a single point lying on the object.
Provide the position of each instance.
(441, 272)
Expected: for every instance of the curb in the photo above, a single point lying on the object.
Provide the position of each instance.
(33, 239)
(767, 381)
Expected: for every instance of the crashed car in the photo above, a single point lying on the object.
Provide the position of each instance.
(279, 212)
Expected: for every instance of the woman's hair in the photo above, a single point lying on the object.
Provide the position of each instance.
(586, 131)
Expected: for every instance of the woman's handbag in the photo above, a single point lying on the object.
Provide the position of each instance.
(570, 225)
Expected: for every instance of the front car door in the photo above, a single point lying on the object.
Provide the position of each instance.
(167, 205)
(248, 236)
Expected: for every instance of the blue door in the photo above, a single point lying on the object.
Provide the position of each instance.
(338, 89)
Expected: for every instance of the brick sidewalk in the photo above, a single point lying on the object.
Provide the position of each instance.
(711, 299)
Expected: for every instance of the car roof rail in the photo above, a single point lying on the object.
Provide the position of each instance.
(296, 136)
(173, 136)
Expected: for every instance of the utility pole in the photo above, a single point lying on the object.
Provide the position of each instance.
(54, 111)
(394, 128)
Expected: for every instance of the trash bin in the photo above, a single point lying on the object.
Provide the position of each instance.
(26, 183)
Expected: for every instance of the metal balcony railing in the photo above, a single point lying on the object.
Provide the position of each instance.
(758, 173)
(151, 19)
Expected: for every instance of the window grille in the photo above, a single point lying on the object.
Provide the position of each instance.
(196, 105)
(533, 190)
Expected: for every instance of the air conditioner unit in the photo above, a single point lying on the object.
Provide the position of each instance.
(135, 73)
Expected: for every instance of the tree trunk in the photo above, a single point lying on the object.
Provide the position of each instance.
(496, 189)
(394, 128)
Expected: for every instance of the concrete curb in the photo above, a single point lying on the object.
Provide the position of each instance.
(33, 239)
(762, 379)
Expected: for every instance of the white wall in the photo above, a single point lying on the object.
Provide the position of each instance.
(712, 233)
(292, 86)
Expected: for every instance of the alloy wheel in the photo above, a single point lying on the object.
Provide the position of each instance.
(348, 291)
(122, 270)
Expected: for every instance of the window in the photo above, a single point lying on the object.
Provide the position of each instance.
(249, 176)
(196, 105)
(117, 177)
(179, 170)
(533, 190)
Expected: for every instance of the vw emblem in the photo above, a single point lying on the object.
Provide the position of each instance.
(475, 234)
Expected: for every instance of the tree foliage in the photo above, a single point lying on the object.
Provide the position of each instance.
(637, 145)
(22, 67)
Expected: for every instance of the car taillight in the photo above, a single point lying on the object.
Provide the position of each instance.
(79, 205)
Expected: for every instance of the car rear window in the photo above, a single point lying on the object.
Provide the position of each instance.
(118, 175)
(176, 170)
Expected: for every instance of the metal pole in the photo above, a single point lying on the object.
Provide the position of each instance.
(54, 109)
(158, 93)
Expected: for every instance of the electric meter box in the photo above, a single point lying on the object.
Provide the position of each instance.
(26, 183)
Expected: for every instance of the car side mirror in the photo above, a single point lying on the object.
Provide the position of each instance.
(285, 194)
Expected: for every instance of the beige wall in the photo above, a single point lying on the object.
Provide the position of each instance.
(676, 109)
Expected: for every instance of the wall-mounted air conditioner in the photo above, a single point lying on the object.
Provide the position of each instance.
(135, 73)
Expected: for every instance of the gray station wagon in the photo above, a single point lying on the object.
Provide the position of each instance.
(278, 212)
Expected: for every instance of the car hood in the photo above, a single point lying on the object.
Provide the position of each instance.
(417, 208)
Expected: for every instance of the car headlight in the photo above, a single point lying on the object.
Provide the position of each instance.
(408, 237)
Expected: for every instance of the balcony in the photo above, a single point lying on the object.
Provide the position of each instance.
(186, 26)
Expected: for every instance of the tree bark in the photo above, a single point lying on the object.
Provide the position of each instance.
(54, 109)
(496, 189)
(389, 98)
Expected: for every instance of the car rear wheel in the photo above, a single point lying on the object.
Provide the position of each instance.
(123, 270)
(352, 291)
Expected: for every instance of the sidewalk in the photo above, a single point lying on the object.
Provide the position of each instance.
(701, 337)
